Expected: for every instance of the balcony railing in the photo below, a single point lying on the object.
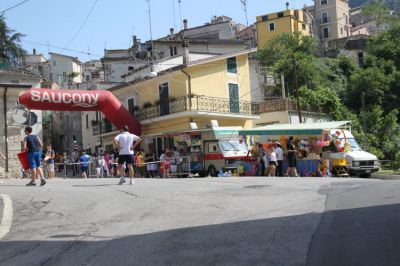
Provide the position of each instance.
(324, 20)
(199, 103)
(103, 128)
(182, 104)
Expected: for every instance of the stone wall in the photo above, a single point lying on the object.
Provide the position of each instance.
(14, 139)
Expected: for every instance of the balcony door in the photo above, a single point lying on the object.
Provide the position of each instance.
(164, 99)
(233, 98)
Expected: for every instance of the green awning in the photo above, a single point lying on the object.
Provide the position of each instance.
(294, 129)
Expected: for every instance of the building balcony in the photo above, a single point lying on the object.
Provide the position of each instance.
(323, 21)
(198, 104)
(102, 128)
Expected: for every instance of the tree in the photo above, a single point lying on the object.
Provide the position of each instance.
(278, 53)
(10, 47)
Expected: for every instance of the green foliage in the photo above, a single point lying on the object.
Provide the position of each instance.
(10, 47)
(383, 132)
(335, 86)
(279, 55)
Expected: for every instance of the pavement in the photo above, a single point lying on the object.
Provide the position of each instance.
(205, 221)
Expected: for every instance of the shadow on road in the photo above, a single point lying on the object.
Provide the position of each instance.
(361, 236)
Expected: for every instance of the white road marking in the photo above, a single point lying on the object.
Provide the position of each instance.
(6, 220)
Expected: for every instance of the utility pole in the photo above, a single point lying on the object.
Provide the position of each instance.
(244, 3)
(364, 120)
(296, 87)
(151, 30)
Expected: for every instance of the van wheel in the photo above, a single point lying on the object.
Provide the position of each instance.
(212, 171)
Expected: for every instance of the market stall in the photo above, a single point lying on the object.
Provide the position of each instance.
(320, 146)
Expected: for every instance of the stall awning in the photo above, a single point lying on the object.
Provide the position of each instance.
(294, 129)
(227, 132)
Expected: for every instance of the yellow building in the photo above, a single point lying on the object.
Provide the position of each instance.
(288, 21)
(206, 87)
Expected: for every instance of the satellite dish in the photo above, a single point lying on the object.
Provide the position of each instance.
(20, 114)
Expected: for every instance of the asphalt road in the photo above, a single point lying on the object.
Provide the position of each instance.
(219, 221)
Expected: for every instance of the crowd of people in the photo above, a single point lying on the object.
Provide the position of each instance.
(269, 159)
(124, 160)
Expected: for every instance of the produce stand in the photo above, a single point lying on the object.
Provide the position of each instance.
(319, 151)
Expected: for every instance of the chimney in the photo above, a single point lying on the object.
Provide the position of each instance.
(171, 31)
(134, 41)
(185, 24)
(287, 5)
(185, 48)
(34, 51)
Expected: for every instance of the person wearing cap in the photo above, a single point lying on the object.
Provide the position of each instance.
(126, 143)
(279, 157)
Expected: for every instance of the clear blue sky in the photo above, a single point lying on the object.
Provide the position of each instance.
(113, 22)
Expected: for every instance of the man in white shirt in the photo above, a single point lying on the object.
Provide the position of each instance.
(279, 157)
(126, 144)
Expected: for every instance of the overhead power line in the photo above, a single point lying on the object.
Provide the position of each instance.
(81, 26)
(12, 7)
(59, 47)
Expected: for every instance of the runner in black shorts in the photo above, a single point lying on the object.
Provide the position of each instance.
(126, 144)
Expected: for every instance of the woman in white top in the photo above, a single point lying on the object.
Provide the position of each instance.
(273, 161)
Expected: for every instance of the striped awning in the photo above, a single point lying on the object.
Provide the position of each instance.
(294, 129)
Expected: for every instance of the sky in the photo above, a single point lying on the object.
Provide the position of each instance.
(93, 25)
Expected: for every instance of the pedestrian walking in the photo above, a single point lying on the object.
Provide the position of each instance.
(261, 154)
(140, 161)
(107, 159)
(126, 144)
(175, 161)
(151, 167)
(33, 145)
(273, 161)
(99, 163)
(292, 158)
(50, 159)
(279, 157)
(84, 160)
(75, 160)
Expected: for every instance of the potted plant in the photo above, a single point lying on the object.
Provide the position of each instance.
(147, 105)
(157, 102)
(191, 95)
(94, 123)
(172, 99)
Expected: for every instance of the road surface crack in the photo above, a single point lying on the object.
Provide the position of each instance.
(129, 193)
(22, 252)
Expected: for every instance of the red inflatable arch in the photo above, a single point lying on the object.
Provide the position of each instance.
(81, 100)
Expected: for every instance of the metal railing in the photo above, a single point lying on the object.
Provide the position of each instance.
(103, 128)
(182, 104)
(199, 103)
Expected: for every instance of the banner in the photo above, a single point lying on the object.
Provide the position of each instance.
(81, 100)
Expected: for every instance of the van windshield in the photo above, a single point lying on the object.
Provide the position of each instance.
(232, 145)
(354, 145)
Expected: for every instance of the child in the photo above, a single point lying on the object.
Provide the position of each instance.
(141, 164)
(99, 162)
(50, 157)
